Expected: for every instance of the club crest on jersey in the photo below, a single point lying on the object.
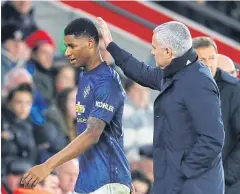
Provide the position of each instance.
(80, 108)
(86, 91)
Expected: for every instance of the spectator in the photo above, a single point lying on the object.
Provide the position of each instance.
(14, 172)
(227, 65)
(16, 127)
(229, 88)
(14, 50)
(40, 65)
(65, 78)
(50, 184)
(68, 174)
(141, 183)
(14, 78)
(63, 113)
(21, 14)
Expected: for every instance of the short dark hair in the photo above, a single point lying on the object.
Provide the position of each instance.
(203, 42)
(21, 88)
(82, 27)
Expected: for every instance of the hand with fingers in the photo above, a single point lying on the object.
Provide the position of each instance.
(35, 175)
(106, 34)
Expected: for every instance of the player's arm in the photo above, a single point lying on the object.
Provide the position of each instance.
(79, 145)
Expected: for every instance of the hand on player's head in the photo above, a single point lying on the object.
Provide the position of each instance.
(106, 34)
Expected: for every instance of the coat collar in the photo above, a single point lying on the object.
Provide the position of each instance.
(222, 76)
(180, 63)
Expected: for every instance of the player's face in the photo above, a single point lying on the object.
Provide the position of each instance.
(79, 50)
(163, 56)
(208, 56)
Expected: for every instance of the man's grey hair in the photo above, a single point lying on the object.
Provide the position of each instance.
(174, 35)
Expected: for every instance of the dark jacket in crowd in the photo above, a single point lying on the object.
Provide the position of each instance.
(188, 127)
(229, 88)
(25, 22)
(19, 143)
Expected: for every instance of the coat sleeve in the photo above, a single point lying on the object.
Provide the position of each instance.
(203, 104)
(232, 164)
(145, 75)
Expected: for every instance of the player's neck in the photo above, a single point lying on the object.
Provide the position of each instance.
(94, 62)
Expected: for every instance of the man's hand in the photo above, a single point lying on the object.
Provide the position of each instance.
(106, 34)
(35, 175)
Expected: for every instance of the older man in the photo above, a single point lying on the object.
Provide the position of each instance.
(188, 129)
(227, 65)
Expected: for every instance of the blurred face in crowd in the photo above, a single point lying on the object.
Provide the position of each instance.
(140, 187)
(18, 49)
(65, 78)
(163, 56)
(208, 56)
(227, 65)
(51, 184)
(21, 104)
(44, 55)
(139, 95)
(13, 181)
(22, 7)
(106, 56)
(68, 174)
(71, 104)
(79, 50)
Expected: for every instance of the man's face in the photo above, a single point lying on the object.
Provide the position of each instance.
(208, 56)
(44, 55)
(23, 7)
(51, 184)
(65, 79)
(79, 50)
(163, 56)
(68, 177)
(21, 104)
(15, 47)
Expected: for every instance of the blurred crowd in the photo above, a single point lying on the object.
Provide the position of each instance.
(38, 88)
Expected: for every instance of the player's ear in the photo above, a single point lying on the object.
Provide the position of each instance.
(91, 43)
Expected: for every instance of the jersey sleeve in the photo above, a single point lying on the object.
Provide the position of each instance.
(107, 99)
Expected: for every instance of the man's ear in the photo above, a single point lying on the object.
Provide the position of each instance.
(91, 43)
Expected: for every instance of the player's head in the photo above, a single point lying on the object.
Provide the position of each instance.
(227, 65)
(170, 40)
(206, 49)
(81, 39)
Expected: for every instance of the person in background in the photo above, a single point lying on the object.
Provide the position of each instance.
(16, 126)
(40, 67)
(141, 183)
(14, 172)
(50, 184)
(68, 173)
(229, 88)
(21, 14)
(14, 53)
(227, 65)
(65, 78)
(14, 78)
(62, 114)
